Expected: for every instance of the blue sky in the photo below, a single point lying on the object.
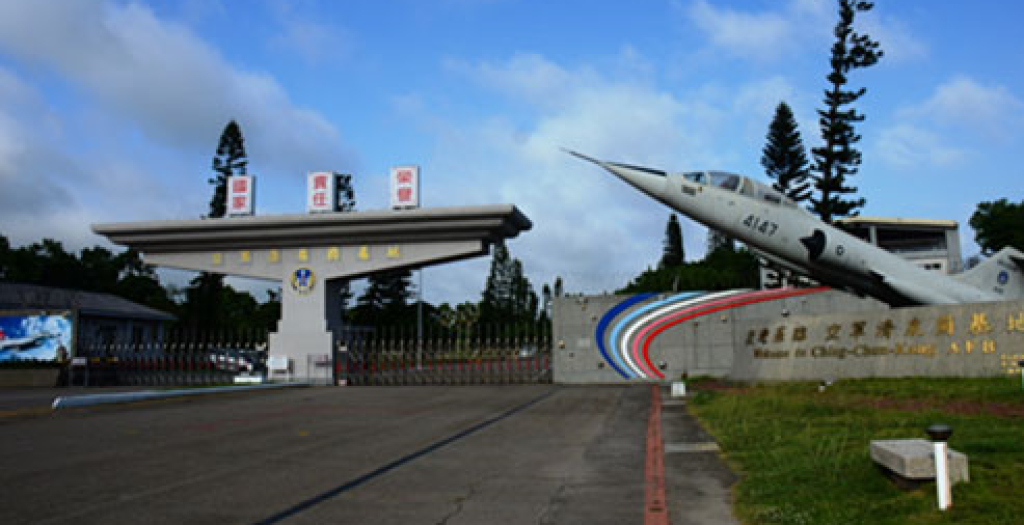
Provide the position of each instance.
(110, 111)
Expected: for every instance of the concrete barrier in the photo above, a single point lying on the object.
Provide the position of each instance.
(911, 459)
(131, 397)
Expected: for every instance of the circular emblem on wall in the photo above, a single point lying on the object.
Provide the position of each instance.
(303, 280)
(1003, 277)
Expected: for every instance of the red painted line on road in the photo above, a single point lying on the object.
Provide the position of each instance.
(655, 507)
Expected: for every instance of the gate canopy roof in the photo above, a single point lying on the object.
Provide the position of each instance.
(489, 223)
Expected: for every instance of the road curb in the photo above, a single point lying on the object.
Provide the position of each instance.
(131, 397)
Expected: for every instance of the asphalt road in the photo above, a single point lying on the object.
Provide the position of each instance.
(433, 455)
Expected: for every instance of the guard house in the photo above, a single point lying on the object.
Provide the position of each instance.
(931, 244)
(101, 318)
(312, 254)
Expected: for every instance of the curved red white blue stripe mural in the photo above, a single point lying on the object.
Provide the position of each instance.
(624, 336)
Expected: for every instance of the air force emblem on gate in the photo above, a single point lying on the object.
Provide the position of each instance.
(303, 280)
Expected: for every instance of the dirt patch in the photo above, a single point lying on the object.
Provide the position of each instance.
(718, 385)
(955, 407)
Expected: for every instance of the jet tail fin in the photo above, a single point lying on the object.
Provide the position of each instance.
(1002, 273)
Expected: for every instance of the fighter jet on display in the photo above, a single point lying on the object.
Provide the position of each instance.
(780, 231)
(25, 343)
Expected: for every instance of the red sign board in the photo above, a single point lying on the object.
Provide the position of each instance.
(320, 193)
(240, 195)
(405, 187)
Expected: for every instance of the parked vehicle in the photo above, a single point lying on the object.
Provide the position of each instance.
(244, 361)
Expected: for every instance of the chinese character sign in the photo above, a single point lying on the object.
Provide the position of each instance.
(320, 192)
(405, 187)
(240, 195)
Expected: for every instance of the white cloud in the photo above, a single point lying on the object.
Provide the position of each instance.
(148, 97)
(898, 43)
(314, 41)
(962, 102)
(760, 36)
(909, 146)
(526, 77)
(780, 32)
(945, 129)
(169, 83)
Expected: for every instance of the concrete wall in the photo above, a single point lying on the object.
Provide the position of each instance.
(970, 340)
(825, 334)
(701, 346)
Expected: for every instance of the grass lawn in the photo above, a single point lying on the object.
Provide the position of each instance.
(803, 454)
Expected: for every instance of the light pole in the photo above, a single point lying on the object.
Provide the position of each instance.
(940, 434)
(419, 323)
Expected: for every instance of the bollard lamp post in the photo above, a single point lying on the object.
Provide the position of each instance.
(940, 434)
(1020, 364)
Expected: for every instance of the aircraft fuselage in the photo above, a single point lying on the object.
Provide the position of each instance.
(787, 234)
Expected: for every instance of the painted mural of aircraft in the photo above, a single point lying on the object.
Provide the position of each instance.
(782, 232)
(21, 344)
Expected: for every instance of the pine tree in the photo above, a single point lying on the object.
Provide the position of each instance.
(496, 303)
(838, 159)
(524, 299)
(719, 241)
(229, 160)
(346, 195)
(204, 297)
(385, 299)
(783, 157)
(672, 253)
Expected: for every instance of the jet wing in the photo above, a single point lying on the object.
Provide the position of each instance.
(912, 290)
(773, 260)
(1019, 260)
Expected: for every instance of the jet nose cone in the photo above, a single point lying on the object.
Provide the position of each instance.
(651, 182)
(647, 180)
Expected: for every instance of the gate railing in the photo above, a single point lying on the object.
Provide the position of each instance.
(181, 362)
(505, 354)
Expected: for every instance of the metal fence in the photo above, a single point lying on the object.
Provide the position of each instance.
(481, 356)
(183, 362)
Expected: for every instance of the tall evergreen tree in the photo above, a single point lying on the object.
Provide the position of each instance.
(524, 299)
(204, 297)
(838, 159)
(385, 301)
(229, 160)
(672, 253)
(496, 302)
(719, 241)
(508, 295)
(784, 158)
(346, 195)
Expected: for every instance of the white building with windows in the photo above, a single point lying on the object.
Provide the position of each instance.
(931, 244)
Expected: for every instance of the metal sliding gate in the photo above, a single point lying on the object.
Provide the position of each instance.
(172, 362)
(497, 356)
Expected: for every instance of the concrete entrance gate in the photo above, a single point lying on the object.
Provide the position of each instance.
(312, 254)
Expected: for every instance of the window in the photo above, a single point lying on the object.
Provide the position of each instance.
(696, 176)
(726, 181)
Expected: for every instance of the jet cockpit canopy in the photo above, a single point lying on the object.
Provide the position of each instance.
(740, 184)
